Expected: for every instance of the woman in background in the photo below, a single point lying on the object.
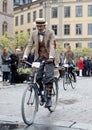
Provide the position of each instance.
(5, 57)
(80, 66)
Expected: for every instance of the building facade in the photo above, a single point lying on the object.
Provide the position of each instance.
(71, 20)
(6, 16)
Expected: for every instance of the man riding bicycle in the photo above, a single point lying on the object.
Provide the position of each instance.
(69, 59)
(45, 50)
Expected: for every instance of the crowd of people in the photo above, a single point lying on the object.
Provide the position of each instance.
(85, 66)
(9, 65)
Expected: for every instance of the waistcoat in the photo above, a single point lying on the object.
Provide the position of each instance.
(42, 49)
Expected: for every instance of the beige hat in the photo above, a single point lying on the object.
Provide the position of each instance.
(40, 21)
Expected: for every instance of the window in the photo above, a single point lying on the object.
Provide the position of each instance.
(16, 21)
(54, 1)
(89, 10)
(5, 6)
(78, 45)
(16, 1)
(78, 11)
(21, 31)
(28, 18)
(89, 45)
(78, 29)
(66, 44)
(67, 11)
(4, 28)
(21, 20)
(79, 0)
(34, 15)
(54, 12)
(54, 28)
(89, 29)
(16, 33)
(40, 13)
(66, 29)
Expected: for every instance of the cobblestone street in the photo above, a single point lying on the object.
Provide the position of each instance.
(74, 108)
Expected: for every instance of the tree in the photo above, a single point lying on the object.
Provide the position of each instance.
(12, 42)
(21, 40)
(5, 42)
(59, 48)
(83, 52)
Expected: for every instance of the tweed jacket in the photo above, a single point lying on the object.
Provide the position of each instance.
(69, 57)
(49, 44)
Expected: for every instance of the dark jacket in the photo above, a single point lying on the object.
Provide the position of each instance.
(14, 61)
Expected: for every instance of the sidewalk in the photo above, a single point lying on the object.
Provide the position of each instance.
(11, 86)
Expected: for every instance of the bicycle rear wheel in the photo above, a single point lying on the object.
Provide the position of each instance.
(54, 95)
(29, 105)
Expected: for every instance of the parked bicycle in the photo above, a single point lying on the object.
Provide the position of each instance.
(32, 99)
(68, 78)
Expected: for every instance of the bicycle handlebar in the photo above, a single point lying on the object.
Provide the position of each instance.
(34, 64)
(68, 65)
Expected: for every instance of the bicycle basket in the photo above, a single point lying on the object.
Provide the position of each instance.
(62, 71)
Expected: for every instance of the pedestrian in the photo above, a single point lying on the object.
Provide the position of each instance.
(91, 65)
(14, 65)
(5, 67)
(45, 49)
(80, 66)
(88, 66)
(85, 62)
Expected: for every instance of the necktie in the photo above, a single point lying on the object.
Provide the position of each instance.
(41, 33)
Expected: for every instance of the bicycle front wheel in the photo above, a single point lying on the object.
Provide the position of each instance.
(73, 82)
(54, 95)
(66, 81)
(29, 105)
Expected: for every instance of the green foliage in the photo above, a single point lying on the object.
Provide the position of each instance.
(21, 40)
(82, 52)
(24, 71)
(5, 42)
(59, 48)
(12, 42)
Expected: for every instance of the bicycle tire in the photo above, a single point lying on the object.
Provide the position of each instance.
(29, 106)
(54, 96)
(66, 81)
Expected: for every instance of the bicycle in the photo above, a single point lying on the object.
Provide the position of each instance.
(68, 78)
(31, 97)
